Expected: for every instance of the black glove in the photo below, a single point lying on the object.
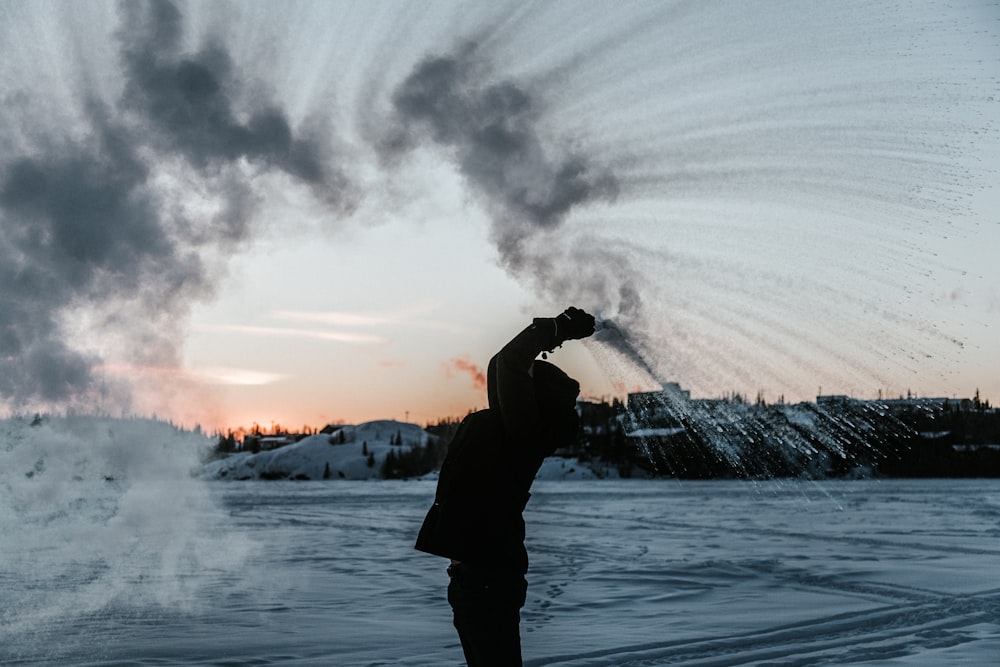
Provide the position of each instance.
(574, 323)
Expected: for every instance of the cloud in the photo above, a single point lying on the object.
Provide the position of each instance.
(287, 332)
(214, 375)
(407, 317)
(466, 367)
(333, 318)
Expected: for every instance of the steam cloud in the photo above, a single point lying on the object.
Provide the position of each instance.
(85, 226)
(530, 183)
(88, 227)
(190, 103)
(491, 127)
(79, 224)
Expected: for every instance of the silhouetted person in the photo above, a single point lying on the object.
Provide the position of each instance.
(476, 519)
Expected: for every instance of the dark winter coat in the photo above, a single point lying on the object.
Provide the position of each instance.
(486, 476)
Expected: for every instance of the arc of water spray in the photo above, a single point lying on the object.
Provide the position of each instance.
(609, 333)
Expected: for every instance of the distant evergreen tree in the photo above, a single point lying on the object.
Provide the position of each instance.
(370, 461)
(390, 469)
(400, 464)
(364, 448)
(326, 471)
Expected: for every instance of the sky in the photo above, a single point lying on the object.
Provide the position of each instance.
(299, 213)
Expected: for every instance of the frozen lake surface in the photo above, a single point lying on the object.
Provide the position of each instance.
(622, 573)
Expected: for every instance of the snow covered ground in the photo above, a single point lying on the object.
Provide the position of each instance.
(623, 573)
(353, 452)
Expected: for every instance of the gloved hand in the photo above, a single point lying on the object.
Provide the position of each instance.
(574, 323)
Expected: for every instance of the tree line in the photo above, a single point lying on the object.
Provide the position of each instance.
(737, 438)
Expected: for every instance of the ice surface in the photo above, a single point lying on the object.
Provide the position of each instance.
(624, 572)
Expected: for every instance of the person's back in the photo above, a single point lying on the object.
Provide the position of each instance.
(476, 516)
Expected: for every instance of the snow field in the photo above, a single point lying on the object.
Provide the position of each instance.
(624, 573)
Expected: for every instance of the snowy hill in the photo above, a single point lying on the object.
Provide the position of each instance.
(557, 468)
(353, 452)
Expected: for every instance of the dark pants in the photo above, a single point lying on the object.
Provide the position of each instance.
(487, 607)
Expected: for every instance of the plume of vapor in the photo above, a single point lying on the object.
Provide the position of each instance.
(90, 520)
(530, 183)
(91, 231)
(492, 130)
(80, 225)
(190, 102)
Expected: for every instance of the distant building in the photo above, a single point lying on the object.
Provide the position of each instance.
(927, 403)
(275, 441)
(896, 405)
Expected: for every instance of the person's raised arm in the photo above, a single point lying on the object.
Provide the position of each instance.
(510, 389)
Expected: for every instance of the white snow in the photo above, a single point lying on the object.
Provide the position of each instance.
(155, 567)
(323, 455)
(319, 456)
(556, 468)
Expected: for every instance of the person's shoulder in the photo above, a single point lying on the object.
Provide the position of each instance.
(485, 420)
(481, 415)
